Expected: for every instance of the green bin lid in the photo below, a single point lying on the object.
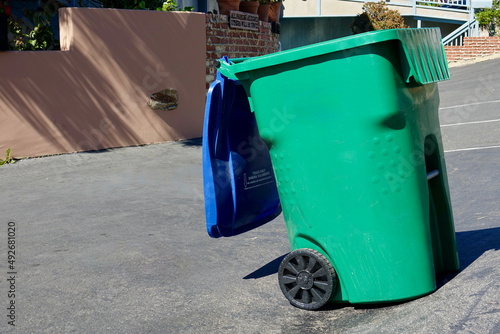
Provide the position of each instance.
(423, 57)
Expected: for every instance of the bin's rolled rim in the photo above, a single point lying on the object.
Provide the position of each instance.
(421, 46)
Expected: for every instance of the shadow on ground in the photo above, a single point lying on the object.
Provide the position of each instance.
(192, 142)
(266, 270)
(470, 244)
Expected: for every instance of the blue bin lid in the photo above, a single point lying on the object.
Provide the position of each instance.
(239, 184)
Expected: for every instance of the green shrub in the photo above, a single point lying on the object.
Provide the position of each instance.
(171, 5)
(489, 18)
(124, 4)
(41, 37)
(377, 16)
(160, 5)
(8, 159)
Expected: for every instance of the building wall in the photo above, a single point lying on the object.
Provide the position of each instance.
(300, 31)
(473, 47)
(446, 28)
(304, 8)
(93, 93)
(296, 32)
(235, 43)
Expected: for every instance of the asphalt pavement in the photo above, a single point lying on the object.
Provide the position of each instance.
(114, 242)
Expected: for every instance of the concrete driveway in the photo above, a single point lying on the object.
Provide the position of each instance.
(115, 242)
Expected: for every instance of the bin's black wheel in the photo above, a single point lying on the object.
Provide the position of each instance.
(307, 279)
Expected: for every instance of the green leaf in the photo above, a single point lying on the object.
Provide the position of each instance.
(7, 160)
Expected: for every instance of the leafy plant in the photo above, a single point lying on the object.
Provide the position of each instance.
(124, 4)
(377, 16)
(8, 159)
(171, 5)
(4, 7)
(160, 5)
(89, 3)
(489, 18)
(41, 37)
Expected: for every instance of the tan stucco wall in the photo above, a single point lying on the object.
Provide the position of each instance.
(93, 94)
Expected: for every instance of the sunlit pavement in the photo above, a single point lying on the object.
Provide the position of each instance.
(115, 242)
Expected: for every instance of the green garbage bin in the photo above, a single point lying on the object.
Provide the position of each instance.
(354, 137)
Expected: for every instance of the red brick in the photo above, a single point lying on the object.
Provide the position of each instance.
(221, 40)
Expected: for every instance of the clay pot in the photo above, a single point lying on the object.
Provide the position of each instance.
(264, 12)
(249, 6)
(274, 12)
(225, 6)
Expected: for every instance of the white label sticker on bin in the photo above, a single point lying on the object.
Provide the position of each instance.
(257, 178)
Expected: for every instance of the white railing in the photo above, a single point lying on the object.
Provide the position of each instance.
(448, 4)
(469, 28)
(465, 30)
(461, 5)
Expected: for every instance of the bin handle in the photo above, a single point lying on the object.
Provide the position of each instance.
(222, 98)
(213, 118)
(224, 67)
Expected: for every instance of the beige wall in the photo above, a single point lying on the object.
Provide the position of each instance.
(301, 8)
(93, 94)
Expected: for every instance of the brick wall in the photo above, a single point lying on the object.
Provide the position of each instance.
(235, 43)
(473, 47)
